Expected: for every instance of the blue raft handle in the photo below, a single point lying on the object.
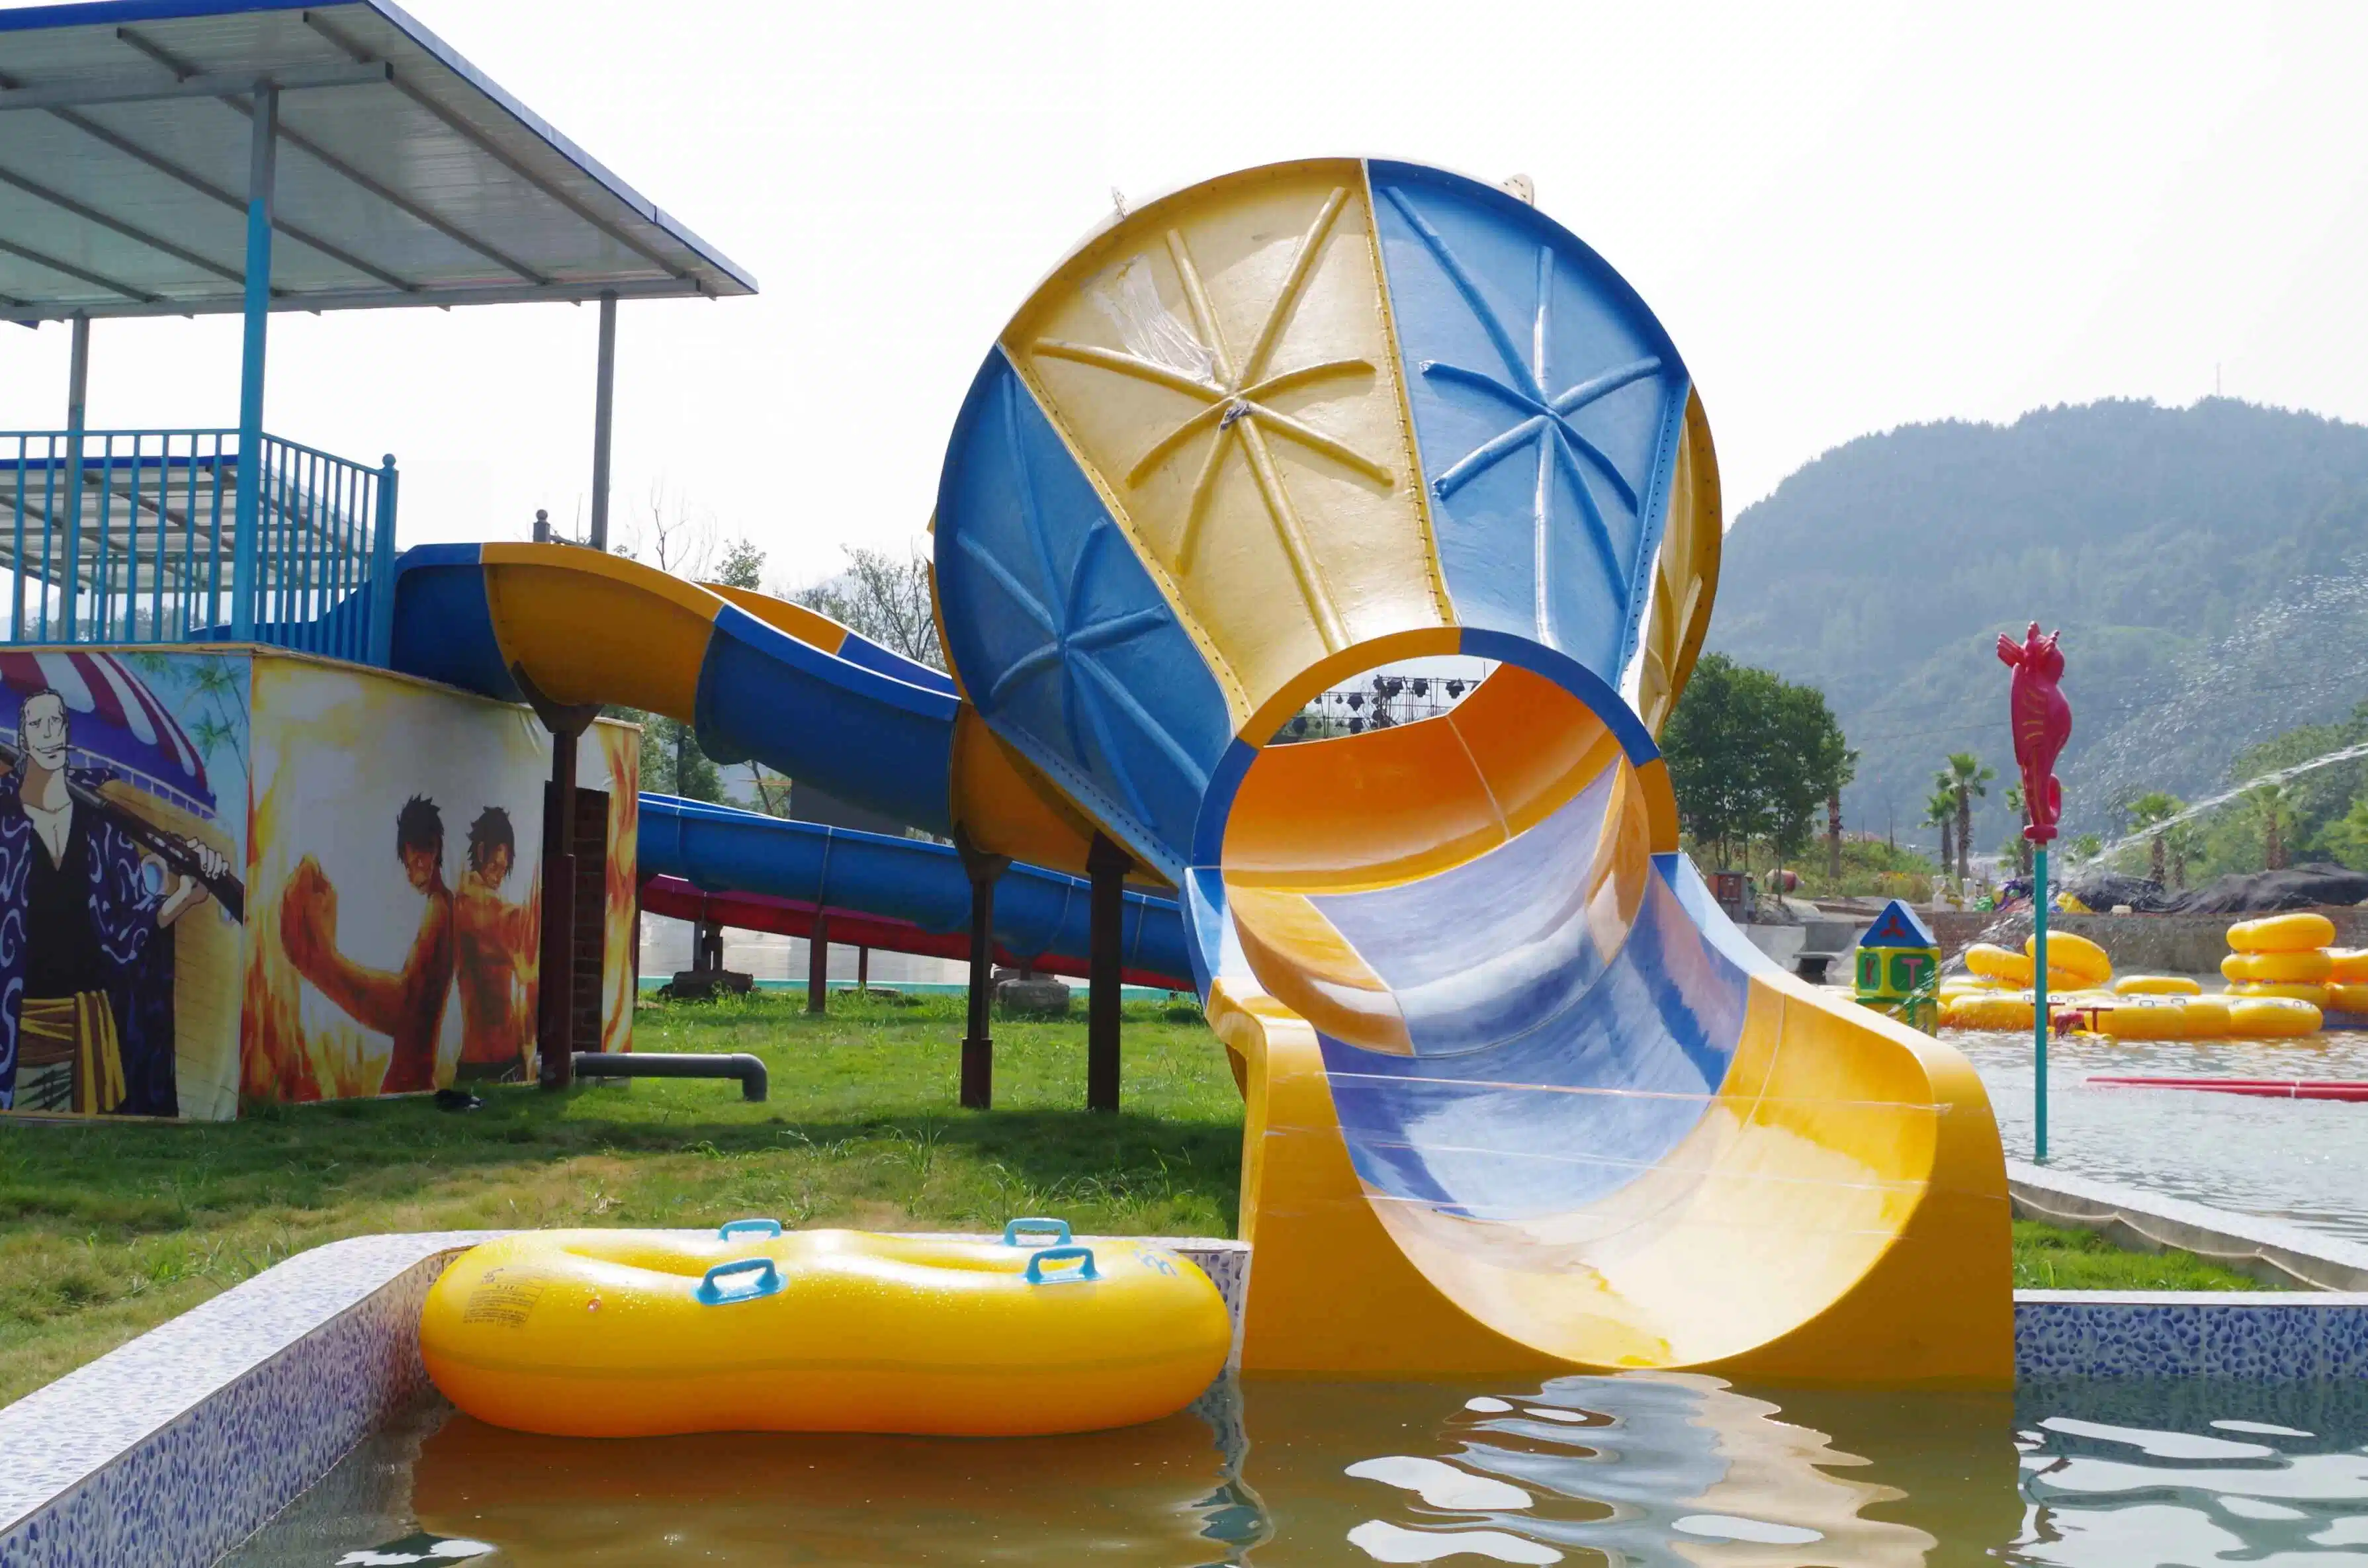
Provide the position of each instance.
(768, 1280)
(731, 1228)
(1082, 1256)
(1013, 1231)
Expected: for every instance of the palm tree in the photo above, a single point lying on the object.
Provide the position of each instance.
(2271, 806)
(1965, 777)
(2014, 803)
(2151, 810)
(1941, 812)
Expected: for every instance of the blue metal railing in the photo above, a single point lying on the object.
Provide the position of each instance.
(132, 536)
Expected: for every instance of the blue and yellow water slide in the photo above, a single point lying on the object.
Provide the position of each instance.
(1518, 1097)
(1039, 914)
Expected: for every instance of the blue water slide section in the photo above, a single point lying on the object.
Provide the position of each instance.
(1548, 407)
(1569, 1111)
(849, 731)
(443, 623)
(1065, 644)
(858, 649)
(1037, 912)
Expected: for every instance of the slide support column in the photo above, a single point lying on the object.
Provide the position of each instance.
(1108, 864)
(818, 966)
(978, 1044)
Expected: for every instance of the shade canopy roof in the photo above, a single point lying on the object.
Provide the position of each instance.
(405, 176)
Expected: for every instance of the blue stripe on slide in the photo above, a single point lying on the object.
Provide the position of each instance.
(444, 624)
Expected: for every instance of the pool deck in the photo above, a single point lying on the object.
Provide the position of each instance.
(178, 1445)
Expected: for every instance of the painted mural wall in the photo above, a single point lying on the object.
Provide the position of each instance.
(122, 832)
(396, 854)
(249, 873)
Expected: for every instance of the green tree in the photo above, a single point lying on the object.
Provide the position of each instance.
(883, 598)
(1752, 757)
(742, 566)
(1964, 779)
(2150, 811)
(2346, 837)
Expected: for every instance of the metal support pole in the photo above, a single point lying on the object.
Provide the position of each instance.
(78, 399)
(2040, 1020)
(978, 1045)
(262, 151)
(818, 965)
(556, 1033)
(604, 408)
(1107, 865)
(862, 971)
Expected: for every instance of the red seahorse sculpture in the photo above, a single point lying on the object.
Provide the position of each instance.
(2042, 723)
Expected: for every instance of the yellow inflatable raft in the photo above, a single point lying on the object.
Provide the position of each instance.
(2308, 967)
(613, 1334)
(2156, 985)
(2294, 932)
(2348, 966)
(2071, 954)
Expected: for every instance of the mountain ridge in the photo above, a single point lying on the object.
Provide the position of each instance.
(2204, 563)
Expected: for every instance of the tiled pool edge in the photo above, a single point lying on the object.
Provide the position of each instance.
(173, 1449)
(155, 1444)
(2272, 1251)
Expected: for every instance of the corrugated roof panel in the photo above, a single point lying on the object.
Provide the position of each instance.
(429, 186)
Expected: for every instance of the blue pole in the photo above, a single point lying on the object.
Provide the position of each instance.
(2039, 1000)
(381, 569)
(262, 147)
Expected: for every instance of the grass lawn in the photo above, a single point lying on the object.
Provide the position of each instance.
(2047, 1258)
(108, 1229)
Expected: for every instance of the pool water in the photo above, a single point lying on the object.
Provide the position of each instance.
(1634, 1471)
(2304, 1161)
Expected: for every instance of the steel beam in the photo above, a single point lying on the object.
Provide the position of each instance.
(413, 296)
(205, 85)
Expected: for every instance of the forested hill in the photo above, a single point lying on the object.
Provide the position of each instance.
(2209, 567)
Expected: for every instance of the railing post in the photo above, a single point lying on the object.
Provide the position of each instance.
(381, 627)
(262, 151)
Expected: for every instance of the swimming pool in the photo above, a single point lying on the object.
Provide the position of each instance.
(1641, 1471)
(2305, 1161)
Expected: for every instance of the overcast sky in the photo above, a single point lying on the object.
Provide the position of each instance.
(1849, 218)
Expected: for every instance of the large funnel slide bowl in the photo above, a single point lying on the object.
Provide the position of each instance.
(1519, 1097)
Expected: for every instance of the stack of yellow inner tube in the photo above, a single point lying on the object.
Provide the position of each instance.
(1996, 991)
(2292, 959)
(620, 1334)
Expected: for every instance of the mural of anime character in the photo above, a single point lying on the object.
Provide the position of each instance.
(494, 938)
(86, 982)
(407, 1005)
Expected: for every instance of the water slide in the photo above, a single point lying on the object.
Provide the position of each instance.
(762, 873)
(1518, 1097)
